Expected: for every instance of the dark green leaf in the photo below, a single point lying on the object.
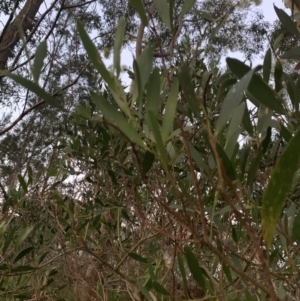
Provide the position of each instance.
(195, 268)
(293, 54)
(159, 288)
(183, 274)
(278, 72)
(145, 62)
(35, 88)
(267, 66)
(147, 162)
(139, 6)
(258, 87)
(112, 115)
(227, 165)
(159, 142)
(170, 110)
(187, 5)
(286, 21)
(23, 183)
(153, 91)
(23, 253)
(138, 257)
(233, 98)
(296, 229)
(23, 268)
(277, 190)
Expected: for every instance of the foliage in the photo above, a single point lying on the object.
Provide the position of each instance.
(183, 186)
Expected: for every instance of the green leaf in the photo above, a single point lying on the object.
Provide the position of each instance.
(115, 117)
(137, 257)
(195, 268)
(216, 29)
(153, 91)
(278, 73)
(279, 185)
(137, 92)
(35, 88)
(267, 66)
(139, 6)
(296, 227)
(228, 168)
(22, 236)
(186, 84)
(118, 44)
(258, 87)
(286, 21)
(159, 142)
(234, 129)
(247, 122)
(9, 239)
(147, 162)
(113, 83)
(23, 183)
(164, 12)
(170, 110)
(199, 159)
(233, 98)
(145, 62)
(40, 54)
(187, 5)
(183, 274)
(23, 253)
(293, 54)
(227, 273)
(277, 42)
(144, 292)
(159, 288)
(22, 268)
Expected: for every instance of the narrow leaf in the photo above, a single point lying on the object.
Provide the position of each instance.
(195, 268)
(183, 274)
(292, 54)
(113, 83)
(296, 227)
(170, 110)
(279, 185)
(118, 44)
(23, 253)
(147, 162)
(164, 12)
(137, 257)
(258, 87)
(187, 5)
(112, 115)
(23, 183)
(35, 88)
(159, 142)
(139, 6)
(153, 91)
(267, 65)
(233, 99)
(159, 288)
(145, 62)
(286, 21)
(40, 54)
(24, 233)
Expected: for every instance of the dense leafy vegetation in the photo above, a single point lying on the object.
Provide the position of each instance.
(182, 184)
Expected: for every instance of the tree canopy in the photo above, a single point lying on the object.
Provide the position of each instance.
(179, 184)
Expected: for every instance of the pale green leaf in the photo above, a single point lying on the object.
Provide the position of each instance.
(116, 118)
(118, 44)
(279, 186)
(187, 5)
(164, 12)
(170, 110)
(40, 54)
(22, 236)
(139, 6)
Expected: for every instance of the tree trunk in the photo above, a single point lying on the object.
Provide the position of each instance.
(11, 35)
